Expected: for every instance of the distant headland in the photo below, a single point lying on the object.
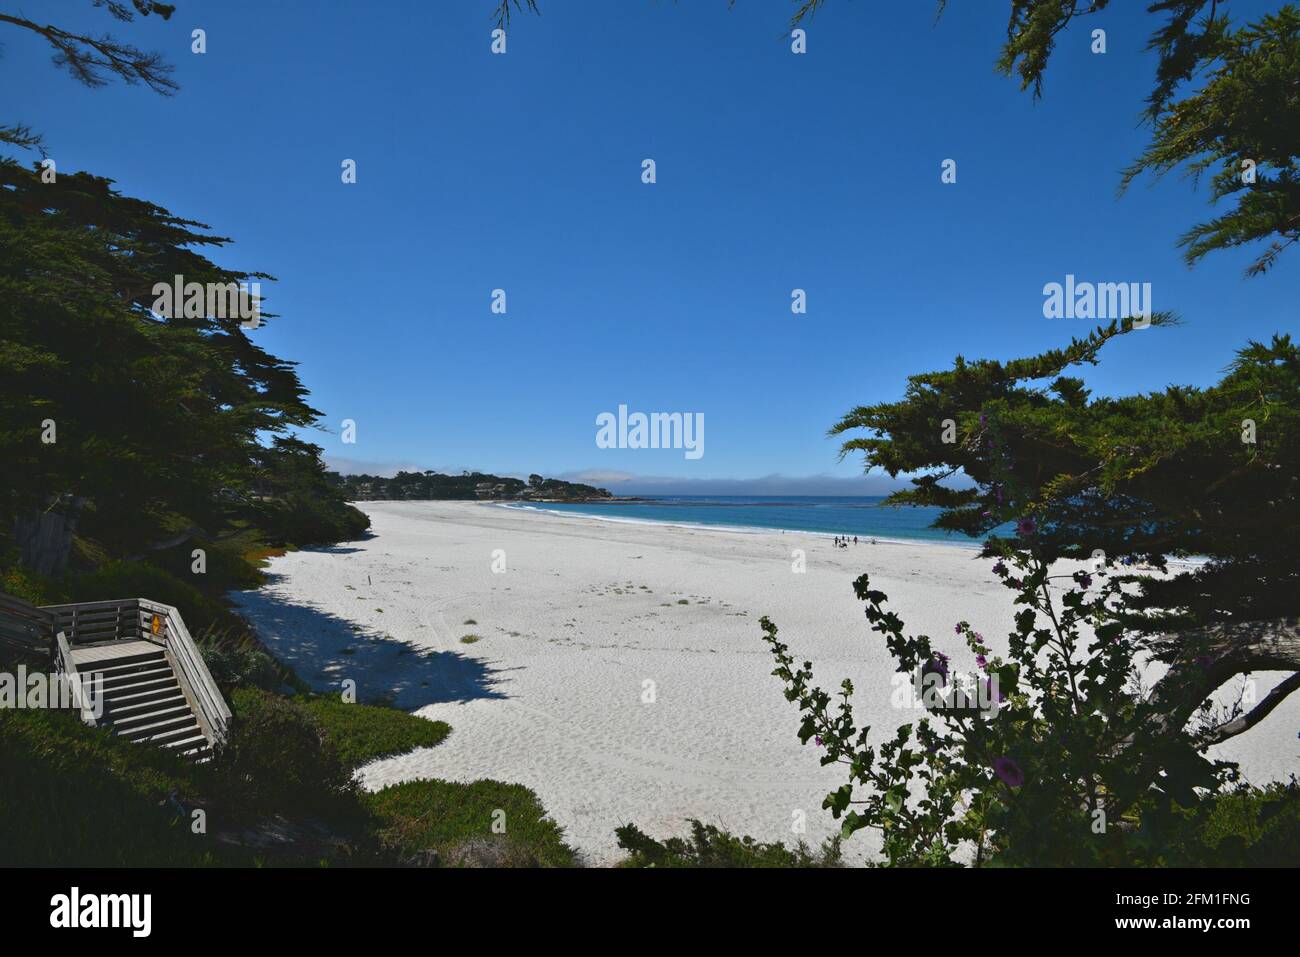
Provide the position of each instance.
(467, 486)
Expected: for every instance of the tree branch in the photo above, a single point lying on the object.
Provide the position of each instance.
(1245, 722)
(1208, 657)
(87, 57)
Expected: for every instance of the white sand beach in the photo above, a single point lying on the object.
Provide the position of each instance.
(554, 695)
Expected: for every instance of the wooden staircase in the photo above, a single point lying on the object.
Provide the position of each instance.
(145, 676)
(141, 697)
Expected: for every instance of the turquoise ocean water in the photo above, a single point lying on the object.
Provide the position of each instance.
(863, 516)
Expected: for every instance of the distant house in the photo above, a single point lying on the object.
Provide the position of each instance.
(488, 489)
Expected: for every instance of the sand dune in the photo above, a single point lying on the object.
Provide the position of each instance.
(620, 671)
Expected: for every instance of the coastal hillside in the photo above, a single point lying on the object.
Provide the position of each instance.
(468, 486)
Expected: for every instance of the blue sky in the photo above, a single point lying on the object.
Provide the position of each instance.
(523, 172)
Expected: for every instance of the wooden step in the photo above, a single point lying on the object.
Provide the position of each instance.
(136, 677)
(113, 662)
(113, 671)
(152, 717)
(122, 699)
(158, 729)
(185, 732)
(132, 710)
(166, 682)
(195, 748)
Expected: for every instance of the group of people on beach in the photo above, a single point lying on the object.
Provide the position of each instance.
(842, 541)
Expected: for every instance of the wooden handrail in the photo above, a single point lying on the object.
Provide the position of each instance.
(192, 673)
(87, 621)
(68, 668)
(25, 627)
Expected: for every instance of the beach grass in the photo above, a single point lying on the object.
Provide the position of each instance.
(361, 732)
(456, 822)
(77, 796)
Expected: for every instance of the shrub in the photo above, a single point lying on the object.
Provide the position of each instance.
(1068, 767)
(279, 757)
(234, 667)
(122, 579)
(76, 796)
(366, 732)
(448, 823)
(1244, 827)
(22, 583)
(710, 847)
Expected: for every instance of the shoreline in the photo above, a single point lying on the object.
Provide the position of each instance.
(539, 507)
(738, 529)
(1190, 562)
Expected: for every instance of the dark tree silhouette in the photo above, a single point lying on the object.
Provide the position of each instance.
(94, 60)
(1187, 471)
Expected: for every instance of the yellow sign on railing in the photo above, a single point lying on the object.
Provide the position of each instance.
(156, 625)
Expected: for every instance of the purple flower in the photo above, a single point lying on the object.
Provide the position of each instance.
(957, 629)
(1026, 527)
(982, 662)
(1009, 772)
(1000, 568)
(1085, 580)
(818, 739)
(937, 665)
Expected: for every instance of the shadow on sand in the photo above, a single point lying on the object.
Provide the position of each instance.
(326, 650)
